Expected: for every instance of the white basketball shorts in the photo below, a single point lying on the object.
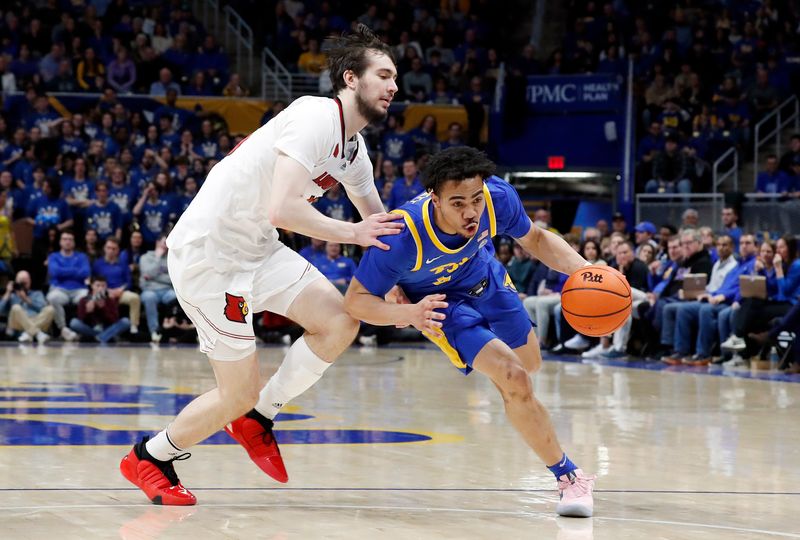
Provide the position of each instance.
(221, 304)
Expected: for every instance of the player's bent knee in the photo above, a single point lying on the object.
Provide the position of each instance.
(515, 382)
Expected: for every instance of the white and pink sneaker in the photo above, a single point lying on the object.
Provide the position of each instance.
(575, 491)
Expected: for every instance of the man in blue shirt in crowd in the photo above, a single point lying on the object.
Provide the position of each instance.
(445, 252)
(118, 280)
(405, 188)
(337, 268)
(103, 215)
(69, 270)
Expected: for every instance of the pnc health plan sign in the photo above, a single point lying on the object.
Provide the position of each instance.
(573, 93)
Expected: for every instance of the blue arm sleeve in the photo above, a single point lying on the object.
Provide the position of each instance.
(83, 271)
(509, 211)
(381, 270)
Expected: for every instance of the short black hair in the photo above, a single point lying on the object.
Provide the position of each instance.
(348, 52)
(456, 163)
(98, 277)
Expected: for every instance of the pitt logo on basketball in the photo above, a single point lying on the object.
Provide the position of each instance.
(593, 278)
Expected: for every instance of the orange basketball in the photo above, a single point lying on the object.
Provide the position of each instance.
(596, 300)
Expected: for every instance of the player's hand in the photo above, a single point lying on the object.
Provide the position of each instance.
(425, 318)
(368, 231)
(397, 296)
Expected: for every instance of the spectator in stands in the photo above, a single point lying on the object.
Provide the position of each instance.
(619, 224)
(792, 156)
(652, 143)
(756, 314)
(92, 246)
(312, 61)
(314, 251)
(667, 293)
(337, 268)
(122, 72)
(762, 97)
(64, 81)
(153, 214)
(118, 280)
(388, 177)
(98, 314)
(234, 87)
(164, 83)
(703, 312)
(541, 306)
(709, 242)
(417, 84)
(424, 136)
(156, 285)
(646, 253)
(407, 187)
(335, 204)
(520, 268)
(103, 215)
(69, 270)
(89, 70)
(27, 310)
(670, 170)
(49, 210)
(454, 136)
(730, 224)
(645, 233)
(690, 219)
(772, 179)
(396, 145)
(48, 65)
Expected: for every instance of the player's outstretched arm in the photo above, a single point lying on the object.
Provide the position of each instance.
(365, 306)
(552, 250)
(289, 210)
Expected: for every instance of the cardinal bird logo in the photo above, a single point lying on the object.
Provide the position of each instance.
(235, 308)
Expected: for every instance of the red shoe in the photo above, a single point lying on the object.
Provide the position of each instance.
(157, 479)
(254, 432)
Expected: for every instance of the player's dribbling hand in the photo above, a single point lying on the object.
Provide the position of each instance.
(425, 318)
(368, 231)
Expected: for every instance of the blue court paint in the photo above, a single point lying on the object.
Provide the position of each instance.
(156, 400)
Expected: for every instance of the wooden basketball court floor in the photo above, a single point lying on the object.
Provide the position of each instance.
(396, 443)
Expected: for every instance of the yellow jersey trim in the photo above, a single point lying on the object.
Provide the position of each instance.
(448, 350)
(490, 209)
(432, 234)
(415, 234)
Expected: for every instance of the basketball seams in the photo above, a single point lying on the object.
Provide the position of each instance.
(596, 316)
(595, 289)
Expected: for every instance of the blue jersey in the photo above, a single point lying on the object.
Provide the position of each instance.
(104, 219)
(420, 259)
(482, 302)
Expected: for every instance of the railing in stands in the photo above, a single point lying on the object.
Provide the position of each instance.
(760, 212)
(239, 35)
(781, 117)
(208, 13)
(732, 171)
(278, 83)
(668, 207)
(234, 33)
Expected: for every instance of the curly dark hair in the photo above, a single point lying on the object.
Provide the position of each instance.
(456, 163)
(349, 52)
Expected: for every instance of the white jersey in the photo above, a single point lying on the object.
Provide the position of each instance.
(230, 210)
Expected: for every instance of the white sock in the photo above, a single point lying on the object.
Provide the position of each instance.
(161, 446)
(299, 371)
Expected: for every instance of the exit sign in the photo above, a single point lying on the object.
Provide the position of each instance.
(555, 163)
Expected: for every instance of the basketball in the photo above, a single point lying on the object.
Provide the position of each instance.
(596, 300)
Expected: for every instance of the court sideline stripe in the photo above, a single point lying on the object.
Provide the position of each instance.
(443, 490)
(34, 509)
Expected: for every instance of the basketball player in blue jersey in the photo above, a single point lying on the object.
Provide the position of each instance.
(460, 297)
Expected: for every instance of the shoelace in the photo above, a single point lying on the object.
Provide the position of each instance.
(581, 483)
(169, 469)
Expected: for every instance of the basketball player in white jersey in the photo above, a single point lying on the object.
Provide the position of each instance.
(226, 262)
